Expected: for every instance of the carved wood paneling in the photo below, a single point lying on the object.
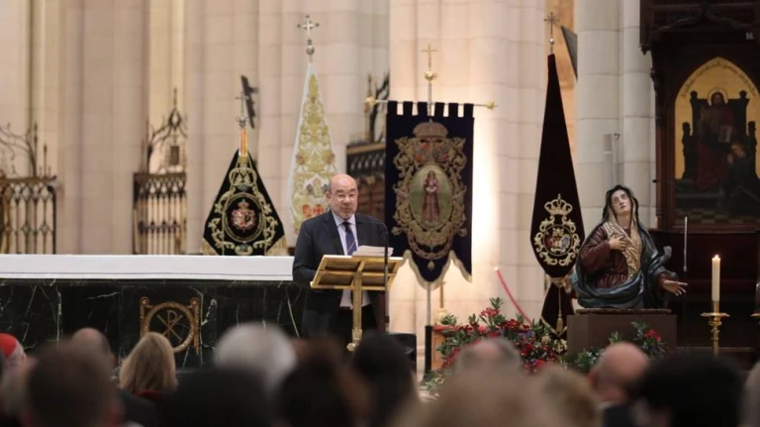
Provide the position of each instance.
(366, 163)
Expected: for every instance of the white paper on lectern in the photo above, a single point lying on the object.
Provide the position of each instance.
(372, 251)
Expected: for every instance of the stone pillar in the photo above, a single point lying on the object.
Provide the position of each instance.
(15, 85)
(637, 114)
(160, 61)
(193, 80)
(71, 62)
(528, 283)
(291, 51)
(114, 111)
(246, 59)
(374, 39)
(596, 98)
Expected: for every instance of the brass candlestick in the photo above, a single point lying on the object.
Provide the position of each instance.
(714, 320)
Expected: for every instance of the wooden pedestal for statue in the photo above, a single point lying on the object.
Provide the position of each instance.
(591, 328)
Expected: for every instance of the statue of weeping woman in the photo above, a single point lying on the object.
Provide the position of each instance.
(618, 264)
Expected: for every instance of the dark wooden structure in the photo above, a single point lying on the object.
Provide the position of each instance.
(366, 163)
(681, 35)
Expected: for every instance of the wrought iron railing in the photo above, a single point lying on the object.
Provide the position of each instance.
(160, 197)
(27, 209)
(160, 213)
(28, 200)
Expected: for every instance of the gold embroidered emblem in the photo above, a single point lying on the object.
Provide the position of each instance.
(314, 160)
(180, 324)
(557, 241)
(244, 214)
(430, 194)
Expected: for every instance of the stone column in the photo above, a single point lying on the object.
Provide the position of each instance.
(15, 85)
(114, 111)
(177, 53)
(220, 132)
(637, 114)
(194, 79)
(531, 95)
(246, 59)
(596, 98)
(374, 36)
(71, 62)
(160, 61)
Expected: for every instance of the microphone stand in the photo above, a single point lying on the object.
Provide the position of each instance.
(385, 280)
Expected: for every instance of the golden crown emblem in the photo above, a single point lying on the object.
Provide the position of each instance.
(558, 206)
(430, 130)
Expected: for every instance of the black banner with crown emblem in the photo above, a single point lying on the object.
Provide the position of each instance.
(243, 220)
(428, 186)
(556, 230)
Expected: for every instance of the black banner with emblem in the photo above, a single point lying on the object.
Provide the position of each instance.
(243, 220)
(428, 187)
(556, 231)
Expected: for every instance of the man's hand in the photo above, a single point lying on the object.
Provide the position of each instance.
(674, 287)
(617, 244)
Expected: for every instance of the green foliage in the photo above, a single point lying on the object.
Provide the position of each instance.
(534, 340)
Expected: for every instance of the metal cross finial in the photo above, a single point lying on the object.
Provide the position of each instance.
(429, 50)
(242, 97)
(308, 25)
(430, 76)
(552, 20)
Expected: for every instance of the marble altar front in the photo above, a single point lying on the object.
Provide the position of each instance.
(192, 300)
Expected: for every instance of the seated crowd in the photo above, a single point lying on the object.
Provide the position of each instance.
(260, 377)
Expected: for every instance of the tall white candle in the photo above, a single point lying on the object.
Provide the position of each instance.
(716, 278)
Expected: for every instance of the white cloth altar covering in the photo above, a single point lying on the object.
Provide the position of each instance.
(147, 267)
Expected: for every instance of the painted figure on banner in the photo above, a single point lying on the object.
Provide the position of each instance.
(431, 210)
(717, 173)
(619, 265)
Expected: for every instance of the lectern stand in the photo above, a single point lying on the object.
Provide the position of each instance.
(357, 273)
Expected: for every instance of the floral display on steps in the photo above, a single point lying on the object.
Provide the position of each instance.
(535, 342)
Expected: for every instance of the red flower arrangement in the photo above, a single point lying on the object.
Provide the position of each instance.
(534, 341)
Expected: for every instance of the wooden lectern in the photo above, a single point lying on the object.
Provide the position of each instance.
(357, 273)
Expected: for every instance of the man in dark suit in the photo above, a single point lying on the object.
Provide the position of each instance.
(339, 231)
(618, 369)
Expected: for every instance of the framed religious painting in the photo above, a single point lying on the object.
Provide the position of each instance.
(715, 161)
(705, 71)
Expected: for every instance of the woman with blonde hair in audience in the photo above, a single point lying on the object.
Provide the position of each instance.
(149, 370)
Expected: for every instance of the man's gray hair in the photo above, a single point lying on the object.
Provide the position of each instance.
(493, 352)
(264, 351)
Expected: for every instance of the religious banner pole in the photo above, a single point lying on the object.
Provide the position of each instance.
(313, 162)
(428, 187)
(557, 225)
(243, 220)
(241, 119)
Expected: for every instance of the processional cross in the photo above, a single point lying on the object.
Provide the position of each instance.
(552, 20)
(430, 75)
(242, 97)
(308, 25)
